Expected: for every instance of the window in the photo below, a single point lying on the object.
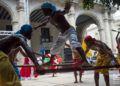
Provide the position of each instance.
(45, 35)
(67, 54)
(8, 27)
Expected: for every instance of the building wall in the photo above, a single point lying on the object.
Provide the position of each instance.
(20, 12)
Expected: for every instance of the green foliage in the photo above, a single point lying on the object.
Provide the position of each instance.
(88, 4)
(108, 3)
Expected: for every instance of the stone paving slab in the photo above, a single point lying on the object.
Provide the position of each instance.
(67, 79)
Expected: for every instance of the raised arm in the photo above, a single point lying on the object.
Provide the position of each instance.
(67, 7)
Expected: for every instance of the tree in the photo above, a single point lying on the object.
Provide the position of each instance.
(108, 3)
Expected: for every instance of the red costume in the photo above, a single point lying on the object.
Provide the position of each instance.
(25, 71)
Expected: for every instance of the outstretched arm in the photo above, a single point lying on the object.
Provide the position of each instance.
(29, 51)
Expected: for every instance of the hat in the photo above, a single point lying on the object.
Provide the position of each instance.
(88, 38)
(25, 28)
(48, 5)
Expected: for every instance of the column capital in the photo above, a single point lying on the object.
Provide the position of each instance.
(20, 6)
(14, 22)
(100, 30)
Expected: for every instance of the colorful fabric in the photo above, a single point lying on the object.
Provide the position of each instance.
(118, 59)
(103, 60)
(77, 62)
(88, 38)
(17, 70)
(84, 46)
(8, 77)
(25, 71)
(54, 62)
(46, 60)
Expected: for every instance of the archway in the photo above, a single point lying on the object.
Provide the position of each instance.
(5, 19)
(5, 22)
(85, 24)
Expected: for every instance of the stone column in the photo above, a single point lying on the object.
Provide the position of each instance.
(107, 29)
(15, 25)
(27, 12)
(111, 28)
(21, 12)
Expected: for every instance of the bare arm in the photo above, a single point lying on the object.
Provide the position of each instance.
(22, 52)
(29, 52)
(67, 7)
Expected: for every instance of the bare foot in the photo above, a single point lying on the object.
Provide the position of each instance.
(81, 81)
(76, 82)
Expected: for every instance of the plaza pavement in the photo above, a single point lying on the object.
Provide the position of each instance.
(67, 79)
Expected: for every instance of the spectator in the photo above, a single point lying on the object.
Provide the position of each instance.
(25, 71)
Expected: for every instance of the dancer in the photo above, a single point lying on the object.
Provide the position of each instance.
(8, 76)
(104, 57)
(57, 18)
(77, 61)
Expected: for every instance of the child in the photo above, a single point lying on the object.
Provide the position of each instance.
(77, 61)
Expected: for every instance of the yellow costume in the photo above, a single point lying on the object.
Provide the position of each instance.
(103, 60)
(84, 46)
(118, 59)
(8, 76)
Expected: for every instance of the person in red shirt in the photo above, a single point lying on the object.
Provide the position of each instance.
(54, 62)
